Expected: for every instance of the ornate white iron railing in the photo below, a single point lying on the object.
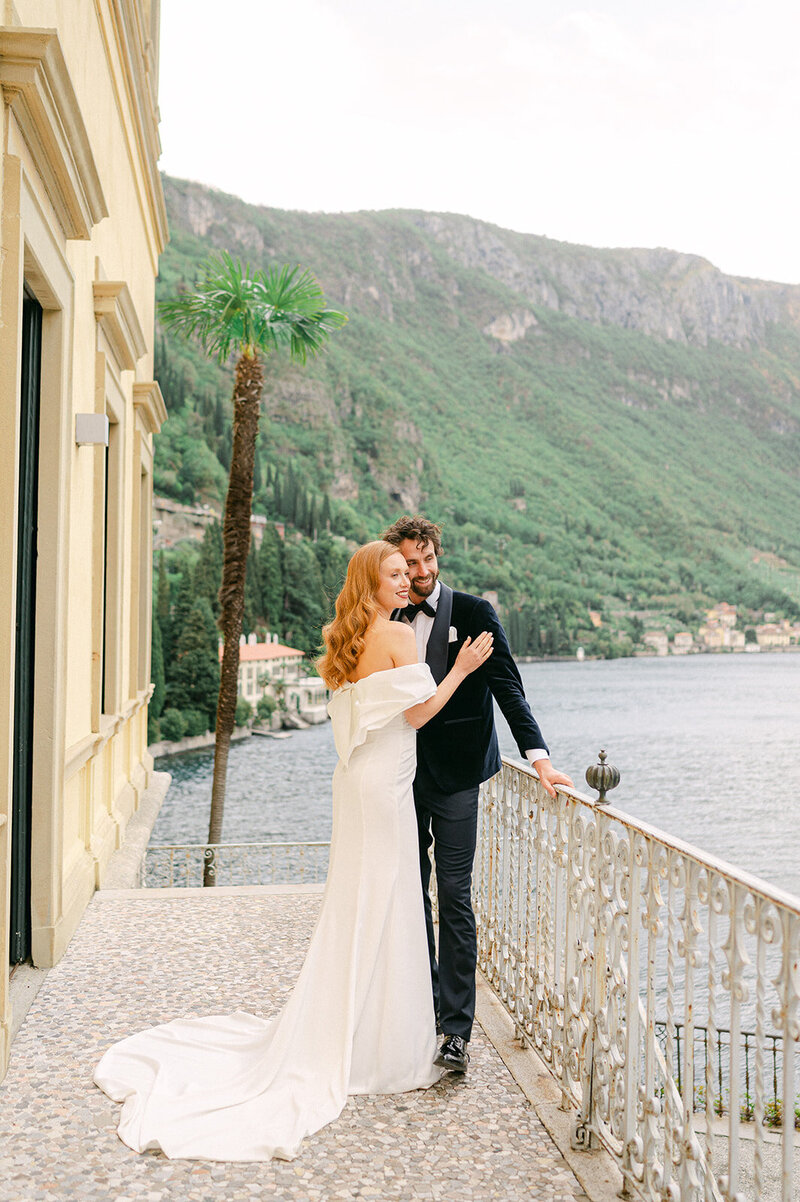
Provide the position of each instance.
(234, 864)
(660, 986)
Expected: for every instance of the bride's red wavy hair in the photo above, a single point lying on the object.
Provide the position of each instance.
(355, 611)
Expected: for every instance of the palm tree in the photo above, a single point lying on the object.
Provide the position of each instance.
(235, 310)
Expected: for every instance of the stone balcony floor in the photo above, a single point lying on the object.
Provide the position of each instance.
(142, 957)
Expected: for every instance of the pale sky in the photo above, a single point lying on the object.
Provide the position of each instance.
(619, 123)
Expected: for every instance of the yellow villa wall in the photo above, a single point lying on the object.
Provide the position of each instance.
(83, 223)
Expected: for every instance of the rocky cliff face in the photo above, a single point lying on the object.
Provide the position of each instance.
(663, 293)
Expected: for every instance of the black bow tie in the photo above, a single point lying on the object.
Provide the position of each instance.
(423, 608)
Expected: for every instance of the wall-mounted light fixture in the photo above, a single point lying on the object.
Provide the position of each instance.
(91, 429)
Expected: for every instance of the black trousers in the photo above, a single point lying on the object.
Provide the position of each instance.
(450, 822)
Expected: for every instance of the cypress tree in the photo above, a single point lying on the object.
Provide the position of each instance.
(332, 557)
(195, 673)
(289, 495)
(208, 570)
(157, 671)
(305, 607)
(514, 631)
(184, 598)
(219, 418)
(162, 595)
(535, 634)
(325, 517)
(224, 450)
(253, 604)
(301, 509)
(270, 575)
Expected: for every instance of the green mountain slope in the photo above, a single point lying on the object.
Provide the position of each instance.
(615, 430)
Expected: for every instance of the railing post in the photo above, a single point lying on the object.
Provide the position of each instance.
(631, 1066)
(582, 1129)
(711, 893)
(561, 925)
(652, 1106)
(572, 990)
(733, 984)
(759, 911)
(528, 915)
(689, 952)
(786, 1013)
(602, 777)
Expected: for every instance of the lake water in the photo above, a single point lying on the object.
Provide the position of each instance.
(708, 748)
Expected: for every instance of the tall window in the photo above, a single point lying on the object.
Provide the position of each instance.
(27, 523)
(145, 602)
(108, 567)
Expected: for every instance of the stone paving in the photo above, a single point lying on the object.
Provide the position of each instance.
(144, 957)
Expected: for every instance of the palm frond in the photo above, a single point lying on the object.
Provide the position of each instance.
(235, 307)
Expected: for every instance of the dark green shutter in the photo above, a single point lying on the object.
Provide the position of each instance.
(25, 631)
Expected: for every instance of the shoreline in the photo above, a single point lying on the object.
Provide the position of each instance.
(647, 654)
(194, 742)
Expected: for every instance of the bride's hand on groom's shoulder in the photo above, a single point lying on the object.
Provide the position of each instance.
(475, 653)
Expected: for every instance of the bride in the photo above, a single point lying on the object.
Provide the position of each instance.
(360, 1018)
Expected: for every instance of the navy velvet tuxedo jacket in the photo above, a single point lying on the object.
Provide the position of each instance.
(458, 747)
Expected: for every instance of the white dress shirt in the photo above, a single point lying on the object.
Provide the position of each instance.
(422, 625)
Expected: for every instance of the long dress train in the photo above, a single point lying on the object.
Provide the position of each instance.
(360, 1018)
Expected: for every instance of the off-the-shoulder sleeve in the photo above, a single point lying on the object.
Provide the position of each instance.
(356, 709)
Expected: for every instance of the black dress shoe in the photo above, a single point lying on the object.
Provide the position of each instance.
(453, 1054)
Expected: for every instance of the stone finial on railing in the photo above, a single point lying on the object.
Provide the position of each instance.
(603, 777)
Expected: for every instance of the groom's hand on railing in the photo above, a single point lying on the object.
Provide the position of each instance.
(550, 777)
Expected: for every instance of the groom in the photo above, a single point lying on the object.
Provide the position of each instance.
(456, 751)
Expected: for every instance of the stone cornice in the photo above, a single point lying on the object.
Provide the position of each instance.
(116, 315)
(148, 401)
(38, 90)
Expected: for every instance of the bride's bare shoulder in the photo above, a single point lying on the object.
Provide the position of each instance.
(400, 631)
(399, 637)
(388, 637)
(386, 645)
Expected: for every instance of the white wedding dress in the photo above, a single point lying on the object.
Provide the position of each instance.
(360, 1018)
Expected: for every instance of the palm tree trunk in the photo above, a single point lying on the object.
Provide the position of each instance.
(248, 386)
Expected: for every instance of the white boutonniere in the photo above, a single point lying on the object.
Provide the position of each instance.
(453, 635)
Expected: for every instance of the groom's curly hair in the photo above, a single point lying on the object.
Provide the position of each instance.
(417, 528)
